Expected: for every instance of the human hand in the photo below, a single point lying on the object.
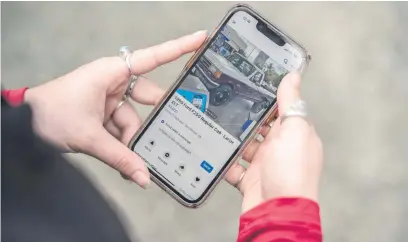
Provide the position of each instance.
(287, 163)
(76, 112)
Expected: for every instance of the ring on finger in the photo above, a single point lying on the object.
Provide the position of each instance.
(119, 105)
(297, 109)
(129, 89)
(241, 177)
(128, 92)
(125, 53)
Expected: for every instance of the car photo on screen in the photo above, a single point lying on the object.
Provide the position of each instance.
(234, 83)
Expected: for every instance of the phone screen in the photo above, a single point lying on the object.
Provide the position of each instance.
(201, 126)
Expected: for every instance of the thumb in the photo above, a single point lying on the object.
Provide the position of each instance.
(288, 92)
(115, 154)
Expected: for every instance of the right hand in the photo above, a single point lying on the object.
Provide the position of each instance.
(287, 163)
(77, 111)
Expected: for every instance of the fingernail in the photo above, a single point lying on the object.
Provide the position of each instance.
(200, 32)
(141, 179)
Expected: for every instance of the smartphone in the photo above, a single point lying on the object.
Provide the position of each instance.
(220, 100)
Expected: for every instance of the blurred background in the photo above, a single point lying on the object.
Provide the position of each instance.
(356, 88)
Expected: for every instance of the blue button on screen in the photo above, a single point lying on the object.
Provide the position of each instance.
(206, 166)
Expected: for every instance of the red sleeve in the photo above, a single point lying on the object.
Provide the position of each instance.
(14, 97)
(281, 220)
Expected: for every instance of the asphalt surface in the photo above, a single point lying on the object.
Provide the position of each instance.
(356, 88)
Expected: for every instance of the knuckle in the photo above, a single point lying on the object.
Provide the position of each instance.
(123, 164)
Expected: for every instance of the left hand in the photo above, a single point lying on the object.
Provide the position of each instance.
(76, 111)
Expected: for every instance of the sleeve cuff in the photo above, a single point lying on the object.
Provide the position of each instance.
(294, 219)
(14, 97)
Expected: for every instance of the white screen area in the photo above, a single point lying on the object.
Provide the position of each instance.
(216, 106)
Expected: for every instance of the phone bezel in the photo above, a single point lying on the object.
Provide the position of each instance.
(265, 117)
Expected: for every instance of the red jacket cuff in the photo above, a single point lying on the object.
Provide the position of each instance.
(14, 97)
(282, 219)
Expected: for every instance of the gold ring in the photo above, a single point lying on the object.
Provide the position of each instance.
(240, 179)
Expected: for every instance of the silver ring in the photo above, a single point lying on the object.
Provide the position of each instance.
(129, 89)
(125, 53)
(128, 92)
(297, 109)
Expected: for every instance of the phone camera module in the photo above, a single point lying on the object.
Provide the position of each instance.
(269, 33)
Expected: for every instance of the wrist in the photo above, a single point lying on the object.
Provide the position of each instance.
(296, 189)
(256, 195)
(29, 96)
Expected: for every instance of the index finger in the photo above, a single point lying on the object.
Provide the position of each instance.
(146, 60)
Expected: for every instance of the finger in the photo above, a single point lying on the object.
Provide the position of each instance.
(275, 127)
(265, 130)
(118, 156)
(147, 92)
(145, 60)
(274, 130)
(127, 120)
(251, 150)
(234, 173)
(288, 92)
(113, 129)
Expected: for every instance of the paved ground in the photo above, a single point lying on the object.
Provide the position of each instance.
(356, 87)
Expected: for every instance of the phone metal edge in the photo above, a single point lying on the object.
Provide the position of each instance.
(306, 54)
(266, 119)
